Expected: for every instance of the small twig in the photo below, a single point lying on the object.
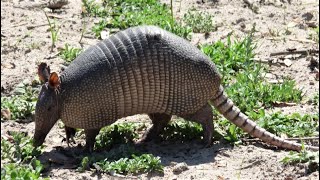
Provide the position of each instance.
(302, 138)
(35, 26)
(292, 39)
(303, 52)
(289, 139)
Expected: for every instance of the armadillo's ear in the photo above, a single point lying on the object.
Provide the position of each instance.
(54, 80)
(43, 72)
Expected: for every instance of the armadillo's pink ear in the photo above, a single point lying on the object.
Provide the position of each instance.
(43, 72)
(54, 80)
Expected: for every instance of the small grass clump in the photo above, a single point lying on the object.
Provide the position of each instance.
(314, 100)
(117, 134)
(199, 22)
(19, 157)
(125, 14)
(19, 148)
(182, 130)
(90, 7)
(123, 159)
(21, 105)
(245, 78)
(314, 35)
(311, 159)
(69, 53)
(29, 171)
(54, 30)
(294, 125)
(132, 165)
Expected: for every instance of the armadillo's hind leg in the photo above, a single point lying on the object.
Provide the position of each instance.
(159, 120)
(204, 116)
(90, 138)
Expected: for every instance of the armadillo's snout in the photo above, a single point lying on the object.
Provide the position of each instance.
(38, 139)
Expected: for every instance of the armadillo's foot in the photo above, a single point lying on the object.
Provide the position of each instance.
(70, 133)
(159, 121)
(90, 139)
(204, 116)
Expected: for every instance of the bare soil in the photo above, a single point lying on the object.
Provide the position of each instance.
(280, 25)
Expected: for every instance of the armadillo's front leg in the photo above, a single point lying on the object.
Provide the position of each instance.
(204, 116)
(159, 121)
(70, 133)
(90, 138)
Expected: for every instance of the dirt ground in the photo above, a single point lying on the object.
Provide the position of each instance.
(280, 25)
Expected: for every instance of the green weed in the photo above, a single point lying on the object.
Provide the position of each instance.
(90, 7)
(182, 130)
(133, 165)
(294, 125)
(314, 100)
(54, 29)
(29, 171)
(122, 159)
(22, 104)
(19, 149)
(200, 22)
(117, 134)
(311, 159)
(245, 78)
(314, 34)
(69, 53)
(232, 56)
(125, 14)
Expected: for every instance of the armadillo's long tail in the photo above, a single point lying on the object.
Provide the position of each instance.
(225, 106)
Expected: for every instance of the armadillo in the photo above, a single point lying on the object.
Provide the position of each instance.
(140, 70)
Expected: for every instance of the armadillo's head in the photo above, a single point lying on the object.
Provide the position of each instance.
(47, 109)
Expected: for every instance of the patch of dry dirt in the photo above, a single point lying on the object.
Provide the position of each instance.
(280, 25)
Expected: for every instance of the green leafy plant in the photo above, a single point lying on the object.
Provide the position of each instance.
(182, 130)
(90, 7)
(294, 125)
(133, 165)
(307, 157)
(124, 14)
(19, 149)
(245, 78)
(117, 134)
(232, 56)
(200, 22)
(69, 53)
(22, 104)
(31, 171)
(314, 100)
(122, 159)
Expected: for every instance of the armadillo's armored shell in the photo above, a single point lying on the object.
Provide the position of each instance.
(139, 70)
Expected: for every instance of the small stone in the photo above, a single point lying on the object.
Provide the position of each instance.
(27, 51)
(179, 168)
(291, 24)
(173, 163)
(307, 16)
(6, 114)
(104, 34)
(269, 75)
(287, 62)
(243, 25)
(240, 20)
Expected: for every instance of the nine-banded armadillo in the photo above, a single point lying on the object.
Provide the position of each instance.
(140, 70)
